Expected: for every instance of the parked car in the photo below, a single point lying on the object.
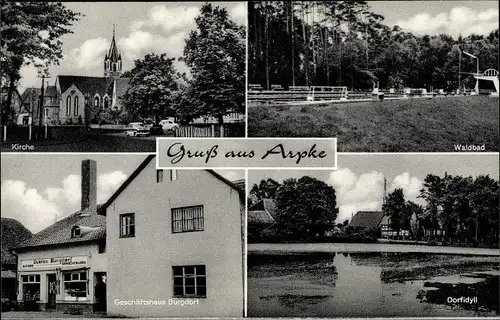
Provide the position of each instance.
(169, 124)
(136, 129)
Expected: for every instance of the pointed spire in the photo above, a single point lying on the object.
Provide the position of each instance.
(113, 30)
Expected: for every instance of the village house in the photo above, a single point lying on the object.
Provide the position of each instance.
(261, 215)
(64, 266)
(175, 245)
(377, 220)
(13, 234)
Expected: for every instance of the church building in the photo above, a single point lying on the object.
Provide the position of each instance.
(76, 94)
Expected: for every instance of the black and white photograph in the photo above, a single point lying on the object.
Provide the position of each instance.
(382, 236)
(111, 236)
(113, 76)
(381, 76)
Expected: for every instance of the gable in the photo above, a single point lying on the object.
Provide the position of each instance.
(145, 164)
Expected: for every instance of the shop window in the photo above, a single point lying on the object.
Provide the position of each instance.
(159, 175)
(127, 225)
(31, 287)
(187, 219)
(190, 281)
(173, 175)
(75, 285)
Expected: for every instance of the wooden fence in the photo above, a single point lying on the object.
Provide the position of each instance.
(211, 131)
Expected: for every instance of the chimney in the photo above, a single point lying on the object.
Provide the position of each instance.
(89, 186)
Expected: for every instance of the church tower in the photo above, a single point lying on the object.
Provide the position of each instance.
(113, 60)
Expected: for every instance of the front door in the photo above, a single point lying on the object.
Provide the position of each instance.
(52, 291)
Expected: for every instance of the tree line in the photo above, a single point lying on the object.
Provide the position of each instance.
(457, 209)
(343, 43)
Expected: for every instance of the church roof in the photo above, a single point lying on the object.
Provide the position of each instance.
(87, 85)
(51, 91)
(113, 53)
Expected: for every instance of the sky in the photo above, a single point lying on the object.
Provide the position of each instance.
(162, 27)
(359, 180)
(141, 27)
(37, 189)
(435, 17)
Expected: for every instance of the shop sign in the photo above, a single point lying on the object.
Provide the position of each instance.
(54, 262)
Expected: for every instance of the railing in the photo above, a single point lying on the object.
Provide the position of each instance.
(211, 131)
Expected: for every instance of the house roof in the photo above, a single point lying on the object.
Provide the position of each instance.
(367, 219)
(51, 91)
(143, 165)
(60, 232)
(239, 184)
(265, 204)
(13, 233)
(259, 216)
(87, 85)
(385, 220)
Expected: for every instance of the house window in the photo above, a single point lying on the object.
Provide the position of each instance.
(187, 219)
(173, 175)
(68, 106)
(159, 175)
(75, 285)
(96, 102)
(75, 107)
(76, 232)
(106, 102)
(127, 225)
(31, 287)
(102, 246)
(190, 281)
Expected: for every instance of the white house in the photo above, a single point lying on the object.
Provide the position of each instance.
(175, 245)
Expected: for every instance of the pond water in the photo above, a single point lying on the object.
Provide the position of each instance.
(371, 284)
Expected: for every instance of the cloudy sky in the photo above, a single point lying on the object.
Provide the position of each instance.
(359, 182)
(140, 28)
(37, 189)
(162, 27)
(434, 17)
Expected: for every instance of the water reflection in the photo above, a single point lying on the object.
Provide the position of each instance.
(367, 284)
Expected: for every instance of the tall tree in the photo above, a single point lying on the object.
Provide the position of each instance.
(265, 189)
(305, 208)
(395, 208)
(30, 33)
(216, 54)
(153, 87)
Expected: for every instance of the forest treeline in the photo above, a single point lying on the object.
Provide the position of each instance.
(343, 43)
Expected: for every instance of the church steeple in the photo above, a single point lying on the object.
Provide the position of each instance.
(113, 60)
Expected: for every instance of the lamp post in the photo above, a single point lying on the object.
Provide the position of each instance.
(477, 70)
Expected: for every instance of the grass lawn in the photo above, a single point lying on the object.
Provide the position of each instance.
(410, 125)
